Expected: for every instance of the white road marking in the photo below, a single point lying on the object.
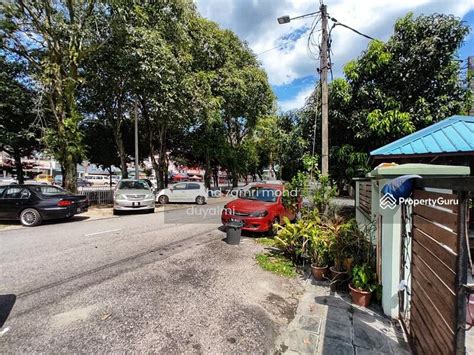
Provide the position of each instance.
(96, 233)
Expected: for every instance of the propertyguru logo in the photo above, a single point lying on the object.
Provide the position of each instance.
(389, 201)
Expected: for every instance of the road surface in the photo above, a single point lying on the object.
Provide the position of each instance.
(163, 282)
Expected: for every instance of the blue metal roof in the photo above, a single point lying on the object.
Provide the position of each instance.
(451, 135)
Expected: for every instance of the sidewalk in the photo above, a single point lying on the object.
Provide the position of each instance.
(327, 323)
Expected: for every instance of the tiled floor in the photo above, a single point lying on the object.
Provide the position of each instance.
(327, 323)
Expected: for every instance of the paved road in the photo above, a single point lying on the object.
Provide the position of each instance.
(150, 282)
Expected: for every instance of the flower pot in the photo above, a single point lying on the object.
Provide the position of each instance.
(339, 280)
(359, 297)
(338, 275)
(319, 272)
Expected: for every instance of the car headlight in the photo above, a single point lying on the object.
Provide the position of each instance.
(120, 197)
(150, 196)
(258, 214)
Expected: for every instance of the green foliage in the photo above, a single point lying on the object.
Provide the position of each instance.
(391, 123)
(392, 89)
(339, 232)
(269, 242)
(61, 34)
(18, 135)
(321, 192)
(319, 247)
(350, 163)
(311, 185)
(363, 278)
(276, 263)
(293, 238)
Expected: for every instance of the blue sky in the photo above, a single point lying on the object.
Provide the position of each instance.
(291, 68)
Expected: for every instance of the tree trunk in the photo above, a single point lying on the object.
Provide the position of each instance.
(208, 171)
(166, 171)
(235, 179)
(122, 155)
(215, 174)
(70, 176)
(18, 167)
(162, 161)
(63, 173)
(151, 146)
(118, 137)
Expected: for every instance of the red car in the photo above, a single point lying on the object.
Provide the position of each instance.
(259, 208)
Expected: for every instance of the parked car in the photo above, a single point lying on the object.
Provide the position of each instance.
(58, 180)
(31, 204)
(8, 181)
(44, 179)
(133, 195)
(258, 209)
(83, 183)
(194, 192)
(152, 184)
(100, 180)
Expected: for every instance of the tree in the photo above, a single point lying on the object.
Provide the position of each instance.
(54, 37)
(109, 76)
(17, 116)
(100, 145)
(393, 89)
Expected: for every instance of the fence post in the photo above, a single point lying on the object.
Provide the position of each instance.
(461, 274)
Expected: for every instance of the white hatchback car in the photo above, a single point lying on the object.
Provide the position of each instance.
(194, 192)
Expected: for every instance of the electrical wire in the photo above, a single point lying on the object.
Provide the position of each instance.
(337, 23)
(282, 44)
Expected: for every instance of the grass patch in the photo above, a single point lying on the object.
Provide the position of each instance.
(268, 242)
(278, 264)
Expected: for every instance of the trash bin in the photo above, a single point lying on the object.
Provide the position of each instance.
(234, 230)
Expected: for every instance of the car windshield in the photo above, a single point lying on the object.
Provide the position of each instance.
(133, 185)
(264, 194)
(47, 190)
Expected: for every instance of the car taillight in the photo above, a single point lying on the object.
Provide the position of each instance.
(65, 203)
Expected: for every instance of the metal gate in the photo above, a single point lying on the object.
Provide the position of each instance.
(434, 268)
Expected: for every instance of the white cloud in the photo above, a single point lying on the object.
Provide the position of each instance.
(298, 101)
(255, 22)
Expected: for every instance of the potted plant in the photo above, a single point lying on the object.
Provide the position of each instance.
(319, 252)
(362, 285)
(337, 229)
(293, 239)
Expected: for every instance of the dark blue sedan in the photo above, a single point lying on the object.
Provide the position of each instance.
(31, 204)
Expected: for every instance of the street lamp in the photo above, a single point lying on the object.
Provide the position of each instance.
(284, 19)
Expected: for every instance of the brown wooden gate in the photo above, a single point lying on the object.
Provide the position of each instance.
(438, 273)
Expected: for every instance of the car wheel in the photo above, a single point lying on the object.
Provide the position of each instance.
(163, 199)
(200, 200)
(30, 217)
(272, 231)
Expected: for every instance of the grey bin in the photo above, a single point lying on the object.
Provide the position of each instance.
(234, 230)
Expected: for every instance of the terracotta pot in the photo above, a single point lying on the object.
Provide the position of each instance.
(338, 275)
(319, 272)
(359, 297)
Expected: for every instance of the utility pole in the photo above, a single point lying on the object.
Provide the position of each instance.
(324, 90)
(137, 172)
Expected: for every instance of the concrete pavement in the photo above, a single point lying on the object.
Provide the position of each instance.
(327, 323)
(161, 282)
